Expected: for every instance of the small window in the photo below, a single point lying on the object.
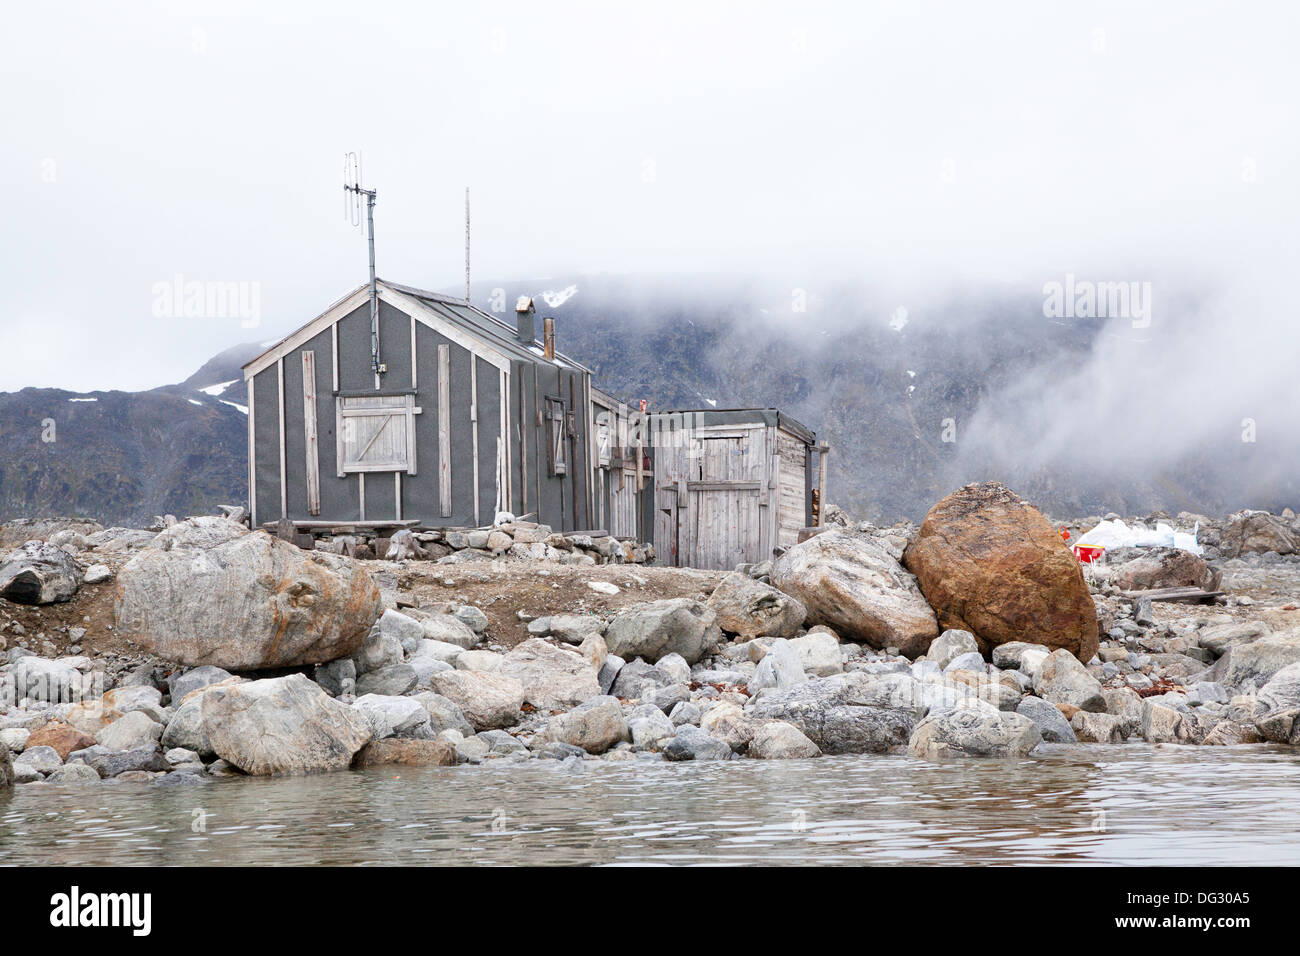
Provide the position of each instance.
(376, 433)
(557, 432)
(604, 439)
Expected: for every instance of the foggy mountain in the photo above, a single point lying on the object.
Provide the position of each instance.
(1081, 415)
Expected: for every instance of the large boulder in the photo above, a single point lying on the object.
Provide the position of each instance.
(974, 732)
(488, 700)
(595, 726)
(554, 678)
(6, 768)
(990, 563)
(853, 712)
(39, 573)
(777, 740)
(1257, 531)
(1061, 679)
(241, 600)
(1165, 568)
(851, 583)
(406, 752)
(749, 608)
(64, 738)
(282, 725)
(1252, 665)
(672, 626)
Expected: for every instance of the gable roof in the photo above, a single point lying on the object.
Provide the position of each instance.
(458, 319)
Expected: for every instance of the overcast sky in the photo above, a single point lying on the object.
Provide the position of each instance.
(994, 142)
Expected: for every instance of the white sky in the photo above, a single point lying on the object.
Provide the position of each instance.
(999, 142)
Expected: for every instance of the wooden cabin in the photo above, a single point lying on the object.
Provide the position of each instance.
(731, 485)
(439, 414)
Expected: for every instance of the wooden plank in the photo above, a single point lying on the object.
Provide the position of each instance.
(444, 430)
(724, 486)
(414, 364)
(345, 527)
(334, 349)
(821, 483)
(473, 425)
(284, 476)
(503, 446)
(1188, 594)
(309, 431)
(361, 495)
(397, 492)
(252, 454)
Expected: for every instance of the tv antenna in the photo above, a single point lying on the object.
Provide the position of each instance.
(467, 245)
(352, 193)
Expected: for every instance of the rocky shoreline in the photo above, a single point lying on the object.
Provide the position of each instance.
(230, 652)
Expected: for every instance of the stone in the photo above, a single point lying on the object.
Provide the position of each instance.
(242, 600)
(1256, 662)
(595, 726)
(444, 714)
(1280, 726)
(607, 676)
(1097, 728)
(42, 760)
(183, 683)
(98, 574)
(406, 630)
(112, 763)
(848, 713)
(850, 582)
(970, 661)
(1248, 532)
(14, 739)
(1282, 691)
(38, 679)
(471, 617)
(692, 743)
(487, 700)
(990, 563)
(779, 668)
(595, 652)
(951, 644)
(136, 697)
(186, 727)
(39, 573)
(90, 718)
(76, 774)
(749, 608)
(1165, 568)
(6, 769)
(1218, 638)
(1165, 724)
(282, 725)
(481, 661)
(449, 629)
(1231, 733)
(390, 716)
(819, 653)
(554, 678)
(379, 649)
(392, 680)
(440, 651)
(337, 677)
(573, 628)
(1013, 653)
(1049, 720)
(729, 723)
(1063, 680)
(974, 732)
(63, 738)
(130, 731)
(649, 727)
(778, 740)
(406, 752)
(674, 625)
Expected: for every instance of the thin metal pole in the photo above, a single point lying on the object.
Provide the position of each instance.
(467, 244)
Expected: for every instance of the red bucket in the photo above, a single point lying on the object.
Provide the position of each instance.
(1088, 553)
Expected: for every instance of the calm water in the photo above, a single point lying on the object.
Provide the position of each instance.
(1085, 804)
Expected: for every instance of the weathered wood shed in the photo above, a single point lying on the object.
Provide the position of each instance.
(443, 415)
(730, 485)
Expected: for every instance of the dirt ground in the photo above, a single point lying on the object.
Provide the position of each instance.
(503, 589)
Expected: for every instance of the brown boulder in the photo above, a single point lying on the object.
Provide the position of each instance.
(989, 563)
(1165, 568)
(407, 752)
(64, 738)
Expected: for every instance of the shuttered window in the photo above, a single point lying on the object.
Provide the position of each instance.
(557, 432)
(376, 433)
(604, 439)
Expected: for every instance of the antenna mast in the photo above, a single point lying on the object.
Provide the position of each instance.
(352, 193)
(467, 244)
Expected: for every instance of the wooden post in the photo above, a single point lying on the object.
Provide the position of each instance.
(444, 430)
(825, 450)
(309, 430)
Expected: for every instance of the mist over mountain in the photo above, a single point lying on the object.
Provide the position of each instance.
(917, 394)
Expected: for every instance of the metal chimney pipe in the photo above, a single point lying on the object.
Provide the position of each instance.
(548, 337)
